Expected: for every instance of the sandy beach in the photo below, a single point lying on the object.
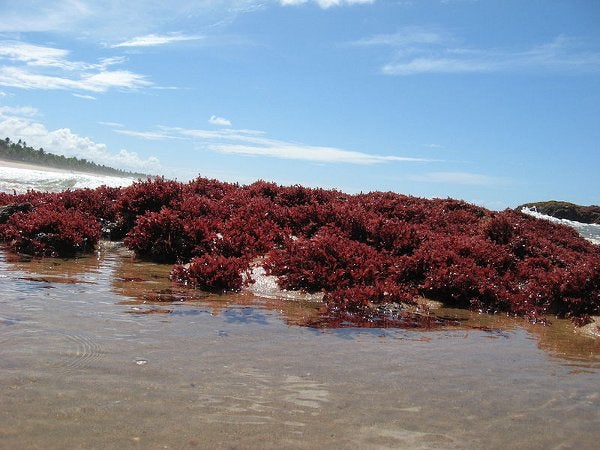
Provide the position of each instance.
(28, 166)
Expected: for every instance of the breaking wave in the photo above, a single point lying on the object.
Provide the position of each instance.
(20, 180)
(589, 231)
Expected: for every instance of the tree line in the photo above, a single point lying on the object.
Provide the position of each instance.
(21, 152)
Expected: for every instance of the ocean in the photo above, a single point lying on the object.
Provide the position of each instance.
(22, 179)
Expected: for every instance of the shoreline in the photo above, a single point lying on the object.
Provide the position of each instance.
(29, 166)
(41, 168)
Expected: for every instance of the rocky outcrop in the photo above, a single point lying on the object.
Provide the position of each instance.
(566, 210)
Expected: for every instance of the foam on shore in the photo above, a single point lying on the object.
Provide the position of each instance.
(589, 231)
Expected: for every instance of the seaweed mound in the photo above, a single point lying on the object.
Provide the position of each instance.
(363, 252)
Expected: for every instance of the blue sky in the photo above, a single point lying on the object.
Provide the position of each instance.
(493, 102)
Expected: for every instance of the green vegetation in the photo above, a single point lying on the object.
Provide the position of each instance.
(20, 152)
(566, 210)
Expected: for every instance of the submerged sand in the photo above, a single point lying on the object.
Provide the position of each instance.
(94, 356)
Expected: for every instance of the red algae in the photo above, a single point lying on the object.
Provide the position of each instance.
(362, 251)
(52, 230)
(213, 273)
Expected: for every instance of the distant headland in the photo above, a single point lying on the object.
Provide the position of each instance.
(20, 152)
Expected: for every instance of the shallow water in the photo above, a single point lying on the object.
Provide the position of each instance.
(104, 352)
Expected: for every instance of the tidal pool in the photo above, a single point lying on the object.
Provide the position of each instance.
(105, 352)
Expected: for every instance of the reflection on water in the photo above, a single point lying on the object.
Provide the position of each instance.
(105, 351)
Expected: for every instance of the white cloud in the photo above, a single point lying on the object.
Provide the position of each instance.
(103, 81)
(34, 55)
(220, 121)
(64, 142)
(151, 40)
(455, 178)
(255, 143)
(417, 50)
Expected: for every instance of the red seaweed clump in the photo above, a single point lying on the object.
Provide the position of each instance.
(327, 262)
(160, 237)
(360, 305)
(51, 230)
(214, 273)
(141, 197)
(361, 251)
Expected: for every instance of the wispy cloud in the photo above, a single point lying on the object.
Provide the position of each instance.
(112, 124)
(284, 150)
(326, 3)
(43, 56)
(15, 124)
(408, 38)
(41, 67)
(220, 121)
(134, 23)
(147, 135)
(124, 20)
(417, 50)
(38, 15)
(152, 40)
(256, 143)
(96, 82)
(84, 96)
(34, 55)
(20, 111)
(466, 178)
(118, 20)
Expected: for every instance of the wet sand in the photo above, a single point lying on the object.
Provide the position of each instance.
(90, 358)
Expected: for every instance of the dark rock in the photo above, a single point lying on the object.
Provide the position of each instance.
(566, 210)
(8, 210)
